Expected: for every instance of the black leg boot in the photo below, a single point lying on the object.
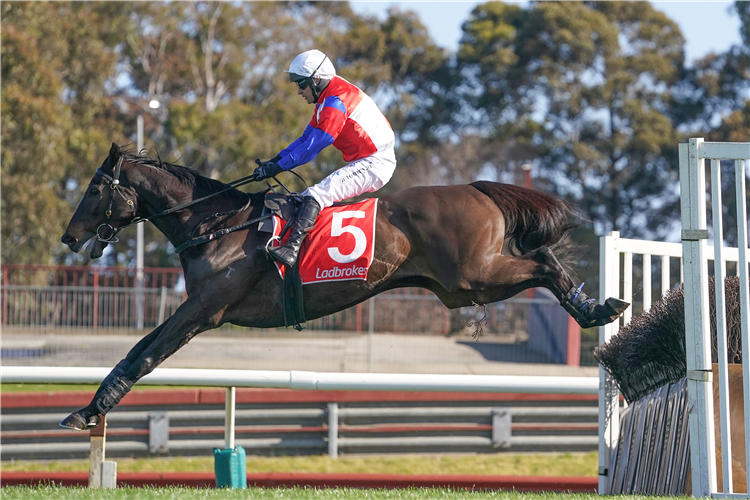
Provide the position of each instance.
(303, 224)
(105, 399)
(88, 417)
(112, 394)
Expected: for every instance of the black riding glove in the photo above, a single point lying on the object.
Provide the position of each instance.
(267, 169)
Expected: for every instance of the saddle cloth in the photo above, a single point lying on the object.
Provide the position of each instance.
(340, 247)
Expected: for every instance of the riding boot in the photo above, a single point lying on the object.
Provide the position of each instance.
(303, 224)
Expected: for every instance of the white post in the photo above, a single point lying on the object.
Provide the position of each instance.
(333, 430)
(109, 475)
(139, 299)
(646, 282)
(370, 333)
(163, 305)
(739, 166)
(720, 271)
(698, 350)
(229, 418)
(627, 286)
(665, 278)
(609, 395)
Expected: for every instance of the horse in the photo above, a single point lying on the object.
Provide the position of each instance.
(469, 244)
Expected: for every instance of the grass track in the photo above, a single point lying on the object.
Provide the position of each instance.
(511, 464)
(174, 493)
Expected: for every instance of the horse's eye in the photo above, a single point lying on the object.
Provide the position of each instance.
(94, 191)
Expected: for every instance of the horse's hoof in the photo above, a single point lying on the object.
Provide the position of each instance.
(610, 311)
(588, 313)
(93, 421)
(616, 305)
(76, 422)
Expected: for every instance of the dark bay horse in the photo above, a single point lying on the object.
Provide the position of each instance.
(477, 243)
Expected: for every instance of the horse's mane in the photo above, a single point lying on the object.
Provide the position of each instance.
(185, 175)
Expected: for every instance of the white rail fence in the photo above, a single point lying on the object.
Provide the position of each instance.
(696, 251)
(660, 270)
(302, 380)
(619, 278)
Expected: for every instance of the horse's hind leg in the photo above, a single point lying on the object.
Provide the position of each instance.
(540, 268)
(583, 309)
(505, 276)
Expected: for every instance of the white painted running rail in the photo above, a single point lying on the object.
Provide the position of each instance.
(312, 380)
(230, 379)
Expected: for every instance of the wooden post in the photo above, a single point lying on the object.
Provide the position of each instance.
(102, 474)
(96, 455)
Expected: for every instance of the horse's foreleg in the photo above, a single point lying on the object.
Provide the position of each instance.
(88, 416)
(189, 320)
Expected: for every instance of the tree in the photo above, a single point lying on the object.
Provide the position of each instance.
(587, 86)
(742, 7)
(56, 60)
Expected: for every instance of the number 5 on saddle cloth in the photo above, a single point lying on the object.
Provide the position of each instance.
(339, 248)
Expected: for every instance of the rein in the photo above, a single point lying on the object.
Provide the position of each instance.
(114, 184)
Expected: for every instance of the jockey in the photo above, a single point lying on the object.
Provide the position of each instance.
(350, 120)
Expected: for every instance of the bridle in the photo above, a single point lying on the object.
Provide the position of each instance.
(114, 184)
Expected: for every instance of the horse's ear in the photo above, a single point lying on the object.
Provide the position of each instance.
(114, 151)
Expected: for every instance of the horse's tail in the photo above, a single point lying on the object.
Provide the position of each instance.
(532, 219)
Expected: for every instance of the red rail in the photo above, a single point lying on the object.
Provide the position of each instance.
(247, 395)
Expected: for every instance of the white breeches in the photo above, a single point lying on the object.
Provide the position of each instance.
(360, 176)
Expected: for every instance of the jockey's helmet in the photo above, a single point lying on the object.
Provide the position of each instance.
(309, 65)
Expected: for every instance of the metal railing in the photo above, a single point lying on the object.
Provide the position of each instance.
(693, 195)
(404, 310)
(484, 426)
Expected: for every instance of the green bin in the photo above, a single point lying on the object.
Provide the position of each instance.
(230, 468)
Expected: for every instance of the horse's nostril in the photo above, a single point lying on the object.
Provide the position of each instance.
(68, 239)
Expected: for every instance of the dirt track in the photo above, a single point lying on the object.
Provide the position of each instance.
(314, 351)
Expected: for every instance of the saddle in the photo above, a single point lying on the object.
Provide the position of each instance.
(285, 207)
(281, 205)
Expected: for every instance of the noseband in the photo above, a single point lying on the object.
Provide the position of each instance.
(114, 184)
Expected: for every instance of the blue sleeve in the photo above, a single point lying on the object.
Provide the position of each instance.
(304, 149)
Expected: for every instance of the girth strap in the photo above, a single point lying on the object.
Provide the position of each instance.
(293, 301)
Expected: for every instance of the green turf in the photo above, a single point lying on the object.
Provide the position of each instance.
(54, 493)
(506, 464)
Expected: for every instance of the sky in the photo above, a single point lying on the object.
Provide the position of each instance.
(706, 26)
